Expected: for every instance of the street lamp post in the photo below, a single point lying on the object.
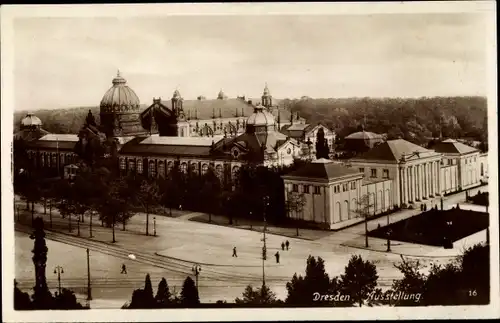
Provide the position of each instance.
(196, 271)
(89, 291)
(389, 232)
(264, 248)
(59, 270)
(154, 226)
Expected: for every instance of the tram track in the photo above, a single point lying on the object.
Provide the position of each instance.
(182, 267)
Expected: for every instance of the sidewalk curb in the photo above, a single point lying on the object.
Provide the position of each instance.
(398, 253)
(213, 265)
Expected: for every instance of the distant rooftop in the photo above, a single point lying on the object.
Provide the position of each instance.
(60, 137)
(394, 150)
(451, 146)
(323, 169)
(181, 141)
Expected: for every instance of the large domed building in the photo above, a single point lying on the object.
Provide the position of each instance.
(30, 128)
(197, 134)
(120, 110)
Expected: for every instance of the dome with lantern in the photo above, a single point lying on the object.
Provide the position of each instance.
(120, 97)
(260, 119)
(31, 122)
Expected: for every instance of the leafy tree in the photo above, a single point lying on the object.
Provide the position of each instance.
(258, 296)
(66, 301)
(21, 300)
(163, 296)
(210, 191)
(412, 283)
(464, 281)
(301, 289)
(322, 149)
(359, 280)
(148, 195)
(148, 291)
(189, 294)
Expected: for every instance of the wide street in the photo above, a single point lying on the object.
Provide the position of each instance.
(181, 242)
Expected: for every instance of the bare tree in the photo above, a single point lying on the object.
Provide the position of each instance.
(295, 203)
(363, 209)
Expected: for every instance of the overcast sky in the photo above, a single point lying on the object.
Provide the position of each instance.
(62, 62)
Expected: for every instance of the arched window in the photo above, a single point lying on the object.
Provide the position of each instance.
(131, 165)
(218, 170)
(235, 173)
(193, 166)
(338, 208)
(170, 165)
(42, 159)
(204, 169)
(54, 160)
(380, 201)
(123, 166)
(482, 169)
(346, 209)
(152, 169)
(161, 168)
(184, 168)
(139, 166)
(62, 159)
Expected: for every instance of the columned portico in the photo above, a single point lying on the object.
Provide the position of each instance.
(424, 180)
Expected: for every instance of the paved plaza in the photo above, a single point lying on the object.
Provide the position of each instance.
(182, 242)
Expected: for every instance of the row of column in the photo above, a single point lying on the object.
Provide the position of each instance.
(420, 181)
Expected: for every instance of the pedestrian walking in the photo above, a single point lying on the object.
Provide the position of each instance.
(234, 252)
(124, 269)
(277, 255)
(282, 246)
(287, 244)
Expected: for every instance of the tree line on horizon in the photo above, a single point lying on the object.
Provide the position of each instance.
(413, 119)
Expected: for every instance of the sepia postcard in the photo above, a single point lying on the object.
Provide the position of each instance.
(267, 161)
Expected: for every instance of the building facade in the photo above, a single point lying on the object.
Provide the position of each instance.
(307, 134)
(467, 172)
(419, 174)
(126, 135)
(333, 195)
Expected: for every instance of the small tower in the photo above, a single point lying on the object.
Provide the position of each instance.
(177, 102)
(267, 99)
(221, 95)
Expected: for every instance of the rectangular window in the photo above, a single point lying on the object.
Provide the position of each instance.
(295, 188)
(344, 187)
(374, 172)
(306, 189)
(386, 173)
(361, 170)
(353, 185)
(317, 190)
(131, 165)
(465, 161)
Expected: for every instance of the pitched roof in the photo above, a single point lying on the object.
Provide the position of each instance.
(180, 141)
(393, 150)
(323, 169)
(227, 108)
(450, 146)
(136, 147)
(60, 137)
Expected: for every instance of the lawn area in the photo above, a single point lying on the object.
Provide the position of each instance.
(431, 227)
(481, 198)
